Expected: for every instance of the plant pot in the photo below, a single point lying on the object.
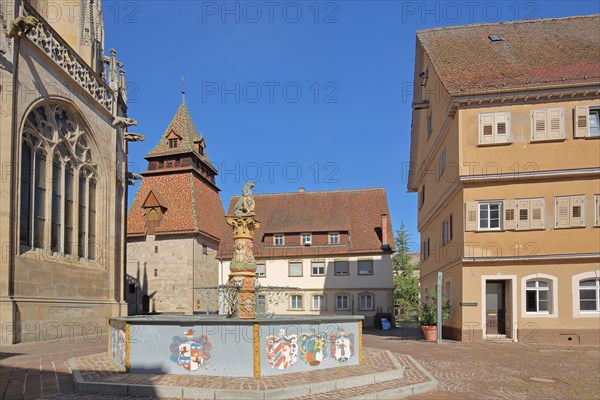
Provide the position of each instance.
(430, 332)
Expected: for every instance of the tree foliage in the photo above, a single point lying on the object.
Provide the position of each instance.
(406, 284)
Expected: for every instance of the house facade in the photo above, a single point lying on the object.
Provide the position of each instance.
(63, 151)
(175, 224)
(505, 159)
(326, 252)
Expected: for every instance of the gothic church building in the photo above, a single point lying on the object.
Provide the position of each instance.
(63, 151)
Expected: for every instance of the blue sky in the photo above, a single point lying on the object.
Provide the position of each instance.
(292, 93)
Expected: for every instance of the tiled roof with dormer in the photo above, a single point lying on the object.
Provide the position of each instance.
(529, 53)
(183, 127)
(355, 211)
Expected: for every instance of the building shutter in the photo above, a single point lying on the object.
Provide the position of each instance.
(471, 216)
(510, 210)
(538, 120)
(486, 128)
(597, 210)
(576, 211)
(581, 122)
(502, 125)
(536, 213)
(523, 214)
(562, 212)
(555, 123)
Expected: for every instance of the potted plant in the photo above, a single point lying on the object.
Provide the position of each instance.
(427, 314)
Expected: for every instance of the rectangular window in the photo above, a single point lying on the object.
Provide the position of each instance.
(261, 270)
(278, 240)
(429, 125)
(155, 272)
(317, 268)
(296, 302)
(422, 197)
(334, 238)
(55, 231)
(82, 215)
(425, 249)
(587, 122)
(295, 268)
(261, 304)
(529, 214)
(131, 288)
(68, 248)
(442, 162)
(25, 221)
(92, 245)
(39, 204)
(365, 267)
(365, 302)
(305, 239)
(537, 297)
(570, 211)
(318, 302)
(547, 124)
(494, 128)
(489, 215)
(342, 302)
(447, 229)
(341, 267)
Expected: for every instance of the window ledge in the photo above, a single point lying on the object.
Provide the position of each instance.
(548, 140)
(569, 227)
(539, 315)
(493, 144)
(41, 255)
(588, 314)
(530, 229)
(295, 309)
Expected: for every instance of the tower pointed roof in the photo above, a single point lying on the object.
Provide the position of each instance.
(183, 129)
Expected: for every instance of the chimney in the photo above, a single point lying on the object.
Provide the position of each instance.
(384, 232)
(301, 190)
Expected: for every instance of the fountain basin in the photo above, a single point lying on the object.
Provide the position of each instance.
(219, 346)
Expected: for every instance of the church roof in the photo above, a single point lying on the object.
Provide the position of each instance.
(355, 211)
(191, 206)
(183, 128)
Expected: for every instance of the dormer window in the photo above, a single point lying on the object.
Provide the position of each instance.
(278, 240)
(172, 143)
(305, 239)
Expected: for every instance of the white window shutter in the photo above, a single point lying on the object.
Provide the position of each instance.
(523, 214)
(581, 122)
(597, 210)
(510, 214)
(563, 210)
(471, 216)
(502, 127)
(538, 125)
(554, 124)
(536, 213)
(486, 128)
(577, 211)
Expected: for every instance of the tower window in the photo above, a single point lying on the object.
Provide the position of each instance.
(172, 143)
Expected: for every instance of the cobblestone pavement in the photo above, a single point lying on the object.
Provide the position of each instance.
(499, 370)
(490, 370)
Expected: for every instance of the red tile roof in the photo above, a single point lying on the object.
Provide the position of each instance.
(192, 206)
(357, 211)
(531, 53)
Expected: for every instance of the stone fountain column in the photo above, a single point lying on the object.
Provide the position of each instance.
(243, 264)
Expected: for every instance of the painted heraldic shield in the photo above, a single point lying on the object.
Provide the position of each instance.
(282, 351)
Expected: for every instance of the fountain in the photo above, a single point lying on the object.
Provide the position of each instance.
(241, 343)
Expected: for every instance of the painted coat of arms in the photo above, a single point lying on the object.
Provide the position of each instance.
(282, 351)
(313, 347)
(190, 352)
(342, 345)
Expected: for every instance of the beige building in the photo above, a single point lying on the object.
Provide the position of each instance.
(63, 151)
(325, 252)
(505, 157)
(175, 225)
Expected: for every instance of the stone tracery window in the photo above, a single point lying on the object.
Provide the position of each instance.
(58, 184)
